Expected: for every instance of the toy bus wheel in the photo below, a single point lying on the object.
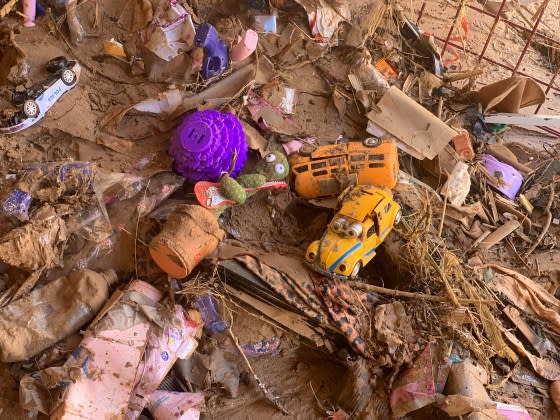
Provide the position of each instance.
(30, 108)
(356, 270)
(68, 77)
(371, 142)
(307, 149)
(56, 64)
(398, 217)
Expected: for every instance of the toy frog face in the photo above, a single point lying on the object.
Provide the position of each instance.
(274, 166)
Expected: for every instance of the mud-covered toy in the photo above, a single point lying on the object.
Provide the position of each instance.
(270, 173)
(205, 144)
(39, 98)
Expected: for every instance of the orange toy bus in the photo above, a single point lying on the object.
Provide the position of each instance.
(323, 171)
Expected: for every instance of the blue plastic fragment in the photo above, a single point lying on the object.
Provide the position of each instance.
(215, 51)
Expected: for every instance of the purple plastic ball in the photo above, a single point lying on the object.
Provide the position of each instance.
(204, 143)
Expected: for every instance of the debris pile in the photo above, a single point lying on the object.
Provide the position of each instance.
(271, 208)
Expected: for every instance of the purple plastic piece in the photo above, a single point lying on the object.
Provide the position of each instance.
(510, 179)
(17, 204)
(215, 51)
(266, 347)
(204, 144)
(206, 304)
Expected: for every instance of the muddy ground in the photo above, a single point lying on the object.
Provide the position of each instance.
(310, 381)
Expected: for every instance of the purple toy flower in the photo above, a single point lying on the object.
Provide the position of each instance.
(204, 143)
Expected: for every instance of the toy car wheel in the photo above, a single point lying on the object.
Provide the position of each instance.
(356, 270)
(398, 217)
(371, 142)
(307, 149)
(68, 77)
(30, 108)
(56, 64)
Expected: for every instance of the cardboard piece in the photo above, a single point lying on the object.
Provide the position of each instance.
(510, 95)
(411, 124)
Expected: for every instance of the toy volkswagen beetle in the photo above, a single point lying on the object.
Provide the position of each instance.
(39, 98)
(365, 219)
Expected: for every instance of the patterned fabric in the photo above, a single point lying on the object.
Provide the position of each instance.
(326, 300)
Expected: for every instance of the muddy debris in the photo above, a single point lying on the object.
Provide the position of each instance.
(278, 209)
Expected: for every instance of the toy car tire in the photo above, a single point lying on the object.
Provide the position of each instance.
(371, 142)
(56, 64)
(30, 108)
(68, 77)
(307, 149)
(398, 217)
(356, 270)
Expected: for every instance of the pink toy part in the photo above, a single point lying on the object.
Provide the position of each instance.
(29, 12)
(110, 355)
(292, 147)
(167, 405)
(246, 45)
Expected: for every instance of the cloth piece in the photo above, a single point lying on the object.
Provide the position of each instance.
(323, 299)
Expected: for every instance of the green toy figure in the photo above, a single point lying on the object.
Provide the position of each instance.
(273, 166)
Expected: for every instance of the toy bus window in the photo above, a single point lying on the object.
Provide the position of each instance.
(319, 173)
(335, 161)
(318, 165)
(355, 158)
(334, 170)
(301, 169)
(371, 230)
(376, 157)
(376, 165)
(387, 207)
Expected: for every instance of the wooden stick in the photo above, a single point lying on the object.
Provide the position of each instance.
(411, 295)
(440, 230)
(274, 400)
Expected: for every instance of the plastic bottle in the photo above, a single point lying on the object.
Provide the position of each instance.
(29, 8)
(51, 313)
(109, 357)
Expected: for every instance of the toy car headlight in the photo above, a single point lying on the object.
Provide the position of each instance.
(354, 230)
(338, 225)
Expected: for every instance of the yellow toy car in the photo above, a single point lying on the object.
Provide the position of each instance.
(365, 219)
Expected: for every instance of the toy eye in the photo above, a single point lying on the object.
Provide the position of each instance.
(355, 230)
(338, 225)
(279, 168)
(270, 158)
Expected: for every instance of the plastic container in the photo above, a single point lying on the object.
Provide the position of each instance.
(29, 10)
(51, 313)
(165, 346)
(463, 145)
(109, 357)
(505, 178)
(189, 235)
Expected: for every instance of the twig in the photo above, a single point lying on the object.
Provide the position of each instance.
(274, 400)
(411, 295)
(440, 230)
(546, 224)
(136, 232)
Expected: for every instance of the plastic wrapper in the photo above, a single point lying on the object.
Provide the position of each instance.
(168, 405)
(161, 186)
(97, 380)
(165, 345)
